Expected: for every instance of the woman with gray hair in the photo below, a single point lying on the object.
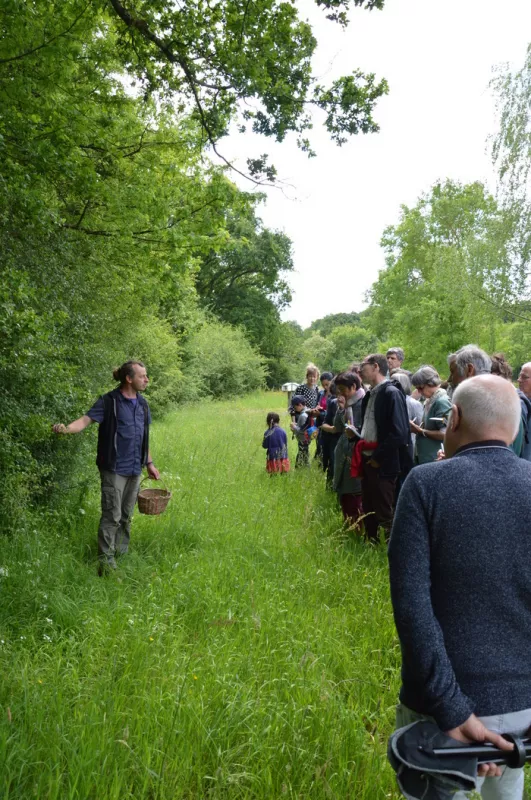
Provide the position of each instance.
(430, 433)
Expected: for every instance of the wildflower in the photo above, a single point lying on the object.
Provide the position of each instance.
(195, 677)
(82, 511)
(4, 572)
(151, 639)
(49, 621)
(39, 680)
(47, 638)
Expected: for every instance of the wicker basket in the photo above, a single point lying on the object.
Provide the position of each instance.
(153, 501)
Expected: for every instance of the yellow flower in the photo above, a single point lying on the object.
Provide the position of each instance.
(151, 638)
(195, 677)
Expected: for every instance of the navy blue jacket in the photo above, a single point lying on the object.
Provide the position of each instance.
(460, 572)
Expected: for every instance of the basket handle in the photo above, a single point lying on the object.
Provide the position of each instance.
(160, 482)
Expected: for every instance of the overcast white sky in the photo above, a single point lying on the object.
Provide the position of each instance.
(437, 56)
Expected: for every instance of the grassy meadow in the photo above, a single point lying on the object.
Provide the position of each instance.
(244, 648)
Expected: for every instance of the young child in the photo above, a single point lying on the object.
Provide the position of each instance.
(276, 443)
(303, 428)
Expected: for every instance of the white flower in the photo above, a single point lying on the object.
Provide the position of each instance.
(4, 572)
(47, 638)
(82, 511)
(49, 621)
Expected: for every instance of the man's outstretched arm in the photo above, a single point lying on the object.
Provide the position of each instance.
(74, 427)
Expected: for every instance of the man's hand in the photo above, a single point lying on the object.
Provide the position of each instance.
(59, 428)
(372, 463)
(473, 730)
(293, 426)
(441, 455)
(414, 427)
(153, 471)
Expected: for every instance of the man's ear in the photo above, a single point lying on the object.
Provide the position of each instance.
(455, 418)
(470, 370)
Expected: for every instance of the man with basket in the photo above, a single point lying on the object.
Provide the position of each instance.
(123, 450)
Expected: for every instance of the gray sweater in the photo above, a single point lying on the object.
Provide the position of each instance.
(460, 571)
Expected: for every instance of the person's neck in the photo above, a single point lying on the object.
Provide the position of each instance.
(377, 380)
(128, 391)
(483, 439)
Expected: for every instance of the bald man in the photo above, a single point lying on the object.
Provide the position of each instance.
(460, 577)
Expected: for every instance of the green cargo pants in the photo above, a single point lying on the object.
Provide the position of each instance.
(118, 498)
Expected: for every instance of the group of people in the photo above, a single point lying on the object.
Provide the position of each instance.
(460, 531)
(375, 421)
(444, 468)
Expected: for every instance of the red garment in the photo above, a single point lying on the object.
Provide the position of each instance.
(356, 462)
(278, 465)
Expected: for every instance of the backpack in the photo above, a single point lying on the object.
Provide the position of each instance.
(308, 429)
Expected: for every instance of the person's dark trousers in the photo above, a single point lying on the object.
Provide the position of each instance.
(319, 447)
(324, 443)
(303, 455)
(378, 497)
(351, 507)
(329, 446)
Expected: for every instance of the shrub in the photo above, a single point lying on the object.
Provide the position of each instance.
(220, 362)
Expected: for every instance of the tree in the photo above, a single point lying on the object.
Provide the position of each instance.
(450, 272)
(244, 282)
(221, 362)
(511, 153)
(236, 59)
(351, 343)
(327, 324)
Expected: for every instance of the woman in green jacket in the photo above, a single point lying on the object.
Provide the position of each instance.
(430, 432)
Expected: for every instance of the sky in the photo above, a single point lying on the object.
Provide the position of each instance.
(438, 58)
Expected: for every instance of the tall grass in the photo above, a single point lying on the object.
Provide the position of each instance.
(244, 648)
